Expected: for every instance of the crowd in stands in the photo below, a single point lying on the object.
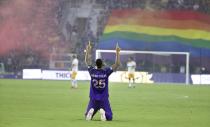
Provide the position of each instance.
(194, 5)
(200, 5)
(15, 61)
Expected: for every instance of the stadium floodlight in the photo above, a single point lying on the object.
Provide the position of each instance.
(163, 53)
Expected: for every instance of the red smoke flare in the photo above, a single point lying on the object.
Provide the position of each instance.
(28, 24)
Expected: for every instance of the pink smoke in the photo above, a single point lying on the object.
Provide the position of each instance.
(28, 23)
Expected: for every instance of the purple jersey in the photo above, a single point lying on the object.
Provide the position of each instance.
(99, 83)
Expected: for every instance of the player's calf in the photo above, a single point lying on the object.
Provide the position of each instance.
(102, 113)
(89, 114)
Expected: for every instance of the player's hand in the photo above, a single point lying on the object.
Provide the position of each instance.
(88, 47)
(117, 48)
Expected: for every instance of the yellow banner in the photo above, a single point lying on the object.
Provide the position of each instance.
(186, 33)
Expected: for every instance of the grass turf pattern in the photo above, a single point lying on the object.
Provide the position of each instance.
(41, 103)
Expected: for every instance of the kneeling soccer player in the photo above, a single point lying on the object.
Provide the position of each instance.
(99, 96)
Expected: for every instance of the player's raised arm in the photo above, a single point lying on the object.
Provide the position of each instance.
(117, 59)
(88, 54)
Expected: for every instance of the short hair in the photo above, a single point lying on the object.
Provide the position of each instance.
(74, 56)
(99, 63)
(131, 58)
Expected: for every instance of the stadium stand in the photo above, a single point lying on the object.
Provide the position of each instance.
(72, 23)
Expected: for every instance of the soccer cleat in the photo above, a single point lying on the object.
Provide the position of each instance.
(90, 114)
(103, 116)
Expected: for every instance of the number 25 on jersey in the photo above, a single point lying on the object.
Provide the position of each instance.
(99, 83)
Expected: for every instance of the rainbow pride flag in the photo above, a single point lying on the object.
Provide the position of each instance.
(136, 29)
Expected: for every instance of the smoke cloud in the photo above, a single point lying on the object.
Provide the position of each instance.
(28, 24)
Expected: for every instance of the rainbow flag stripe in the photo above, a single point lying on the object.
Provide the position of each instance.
(138, 29)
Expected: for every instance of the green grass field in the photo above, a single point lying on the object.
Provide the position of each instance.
(38, 103)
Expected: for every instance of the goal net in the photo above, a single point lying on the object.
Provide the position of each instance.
(162, 67)
(61, 60)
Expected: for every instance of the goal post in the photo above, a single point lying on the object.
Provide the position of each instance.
(186, 54)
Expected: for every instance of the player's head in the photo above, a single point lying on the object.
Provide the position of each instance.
(130, 58)
(74, 56)
(99, 63)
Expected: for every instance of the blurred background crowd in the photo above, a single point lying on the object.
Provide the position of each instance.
(39, 34)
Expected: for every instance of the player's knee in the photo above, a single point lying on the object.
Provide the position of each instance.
(109, 117)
